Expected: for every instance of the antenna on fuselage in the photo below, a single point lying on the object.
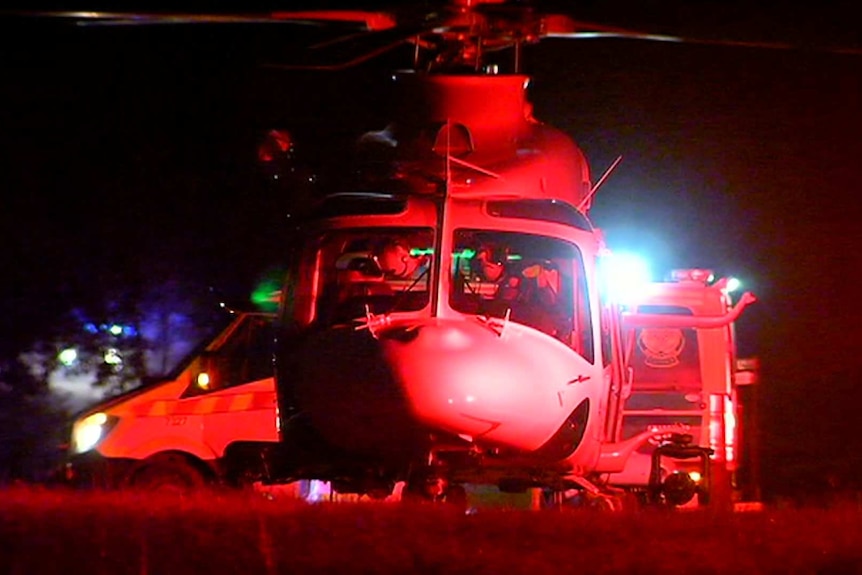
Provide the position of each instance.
(448, 155)
(475, 168)
(464, 144)
(585, 203)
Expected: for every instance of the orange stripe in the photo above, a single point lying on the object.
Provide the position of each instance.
(206, 405)
(225, 403)
(242, 402)
(264, 400)
(203, 405)
(159, 408)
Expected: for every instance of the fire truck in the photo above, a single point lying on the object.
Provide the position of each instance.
(690, 383)
(211, 421)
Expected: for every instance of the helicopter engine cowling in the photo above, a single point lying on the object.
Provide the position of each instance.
(494, 108)
(487, 122)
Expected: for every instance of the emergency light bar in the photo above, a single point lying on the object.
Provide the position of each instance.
(700, 275)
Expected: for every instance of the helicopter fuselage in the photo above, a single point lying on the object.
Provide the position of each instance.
(447, 366)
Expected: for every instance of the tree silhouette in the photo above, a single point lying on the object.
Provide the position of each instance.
(31, 425)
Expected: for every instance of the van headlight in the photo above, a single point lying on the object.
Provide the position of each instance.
(89, 431)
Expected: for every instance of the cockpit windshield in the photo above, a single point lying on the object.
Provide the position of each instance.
(531, 279)
(373, 270)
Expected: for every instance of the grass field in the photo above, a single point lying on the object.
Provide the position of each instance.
(45, 531)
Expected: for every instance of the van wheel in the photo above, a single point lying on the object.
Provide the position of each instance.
(168, 473)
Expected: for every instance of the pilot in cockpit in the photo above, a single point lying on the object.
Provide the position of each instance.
(359, 274)
(492, 265)
(528, 290)
(396, 261)
(379, 268)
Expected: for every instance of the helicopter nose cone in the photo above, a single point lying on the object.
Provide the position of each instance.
(384, 394)
(503, 383)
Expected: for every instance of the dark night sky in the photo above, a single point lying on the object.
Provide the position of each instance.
(131, 150)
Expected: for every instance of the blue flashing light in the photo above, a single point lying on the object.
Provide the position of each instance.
(624, 277)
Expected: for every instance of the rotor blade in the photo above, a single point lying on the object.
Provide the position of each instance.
(347, 51)
(371, 33)
(369, 21)
(374, 21)
(562, 26)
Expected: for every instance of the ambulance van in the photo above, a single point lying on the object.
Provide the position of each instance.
(210, 422)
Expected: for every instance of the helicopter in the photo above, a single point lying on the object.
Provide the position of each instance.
(443, 320)
(398, 358)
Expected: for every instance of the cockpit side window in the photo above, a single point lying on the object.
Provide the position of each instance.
(373, 270)
(535, 280)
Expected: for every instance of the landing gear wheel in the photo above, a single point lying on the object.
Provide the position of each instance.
(456, 495)
(605, 503)
(379, 493)
(414, 492)
(432, 489)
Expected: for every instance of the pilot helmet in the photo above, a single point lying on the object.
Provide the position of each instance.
(491, 262)
(395, 260)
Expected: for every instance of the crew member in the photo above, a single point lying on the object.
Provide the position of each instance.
(530, 294)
